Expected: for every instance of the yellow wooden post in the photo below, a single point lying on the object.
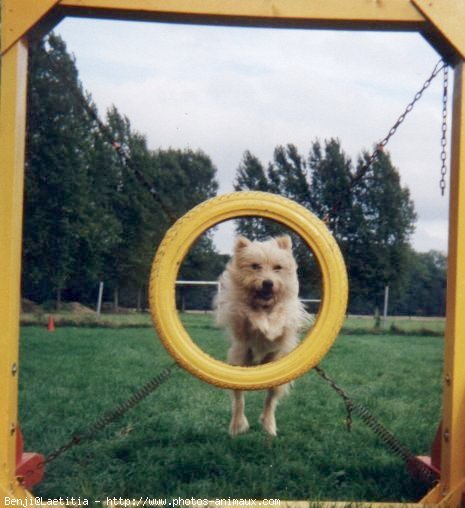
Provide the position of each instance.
(442, 23)
(12, 128)
(453, 442)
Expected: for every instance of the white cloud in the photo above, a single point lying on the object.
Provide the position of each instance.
(226, 90)
(431, 235)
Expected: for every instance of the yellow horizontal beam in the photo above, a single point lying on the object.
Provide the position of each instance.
(387, 14)
(439, 20)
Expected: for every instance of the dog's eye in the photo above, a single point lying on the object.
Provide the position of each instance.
(277, 268)
(255, 266)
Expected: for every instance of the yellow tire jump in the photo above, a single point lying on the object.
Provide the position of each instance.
(175, 246)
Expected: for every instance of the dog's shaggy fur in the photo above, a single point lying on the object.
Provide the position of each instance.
(259, 304)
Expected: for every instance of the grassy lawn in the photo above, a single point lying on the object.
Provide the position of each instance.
(175, 443)
(353, 324)
(400, 324)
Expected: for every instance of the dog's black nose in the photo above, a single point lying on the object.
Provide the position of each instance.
(267, 285)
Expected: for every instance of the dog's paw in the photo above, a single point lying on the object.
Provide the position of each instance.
(269, 424)
(238, 426)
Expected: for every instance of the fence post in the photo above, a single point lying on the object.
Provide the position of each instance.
(99, 299)
(386, 303)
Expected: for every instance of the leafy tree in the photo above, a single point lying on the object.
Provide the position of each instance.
(251, 176)
(64, 218)
(371, 219)
(424, 293)
(88, 217)
(378, 252)
(141, 221)
(288, 175)
(184, 178)
(330, 191)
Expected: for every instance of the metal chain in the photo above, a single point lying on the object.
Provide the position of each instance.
(363, 169)
(442, 182)
(380, 146)
(345, 397)
(105, 420)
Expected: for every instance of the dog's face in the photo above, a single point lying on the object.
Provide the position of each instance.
(265, 271)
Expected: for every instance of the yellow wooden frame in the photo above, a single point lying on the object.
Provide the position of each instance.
(440, 21)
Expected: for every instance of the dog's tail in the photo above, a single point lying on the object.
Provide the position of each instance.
(304, 319)
(220, 306)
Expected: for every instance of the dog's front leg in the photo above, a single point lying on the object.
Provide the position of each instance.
(239, 421)
(268, 417)
(238, 355)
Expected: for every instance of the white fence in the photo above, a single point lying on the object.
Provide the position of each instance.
(311, 301)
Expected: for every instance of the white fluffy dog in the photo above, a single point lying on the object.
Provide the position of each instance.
(259, 304)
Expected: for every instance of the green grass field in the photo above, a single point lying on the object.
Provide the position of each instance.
(353, 324)
(175, 443)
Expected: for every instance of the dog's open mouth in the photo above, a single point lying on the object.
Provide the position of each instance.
(265, 294)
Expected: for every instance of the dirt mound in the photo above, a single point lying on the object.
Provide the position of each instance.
(29, 306)
(78, 308)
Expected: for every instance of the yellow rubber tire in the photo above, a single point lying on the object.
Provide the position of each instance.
(175, 246)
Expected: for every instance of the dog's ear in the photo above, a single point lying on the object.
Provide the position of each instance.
(241, 242)
(284, 242)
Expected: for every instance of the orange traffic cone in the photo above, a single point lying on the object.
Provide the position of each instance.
(51, 324)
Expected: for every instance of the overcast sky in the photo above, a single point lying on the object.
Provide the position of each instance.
(227, 90)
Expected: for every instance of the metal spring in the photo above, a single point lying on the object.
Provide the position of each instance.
(105, 420)
(426, 474)
(124, 407)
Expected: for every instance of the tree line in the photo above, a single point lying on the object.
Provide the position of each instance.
(88, 217)
(372, 219)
